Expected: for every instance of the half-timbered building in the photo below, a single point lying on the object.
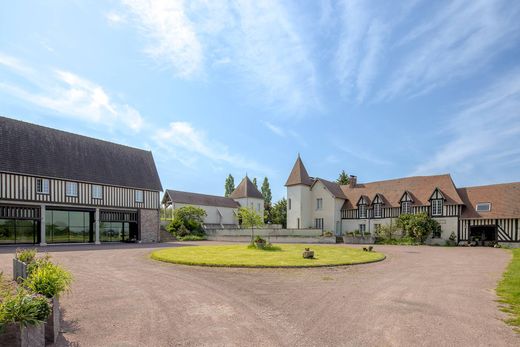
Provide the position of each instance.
(488, 213)
(59, 187)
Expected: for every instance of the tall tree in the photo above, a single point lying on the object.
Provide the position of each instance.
(254, 182)
(229, 186)
(266, 193)
(279, 213)
(343, 178)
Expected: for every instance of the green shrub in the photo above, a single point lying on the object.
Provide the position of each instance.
(193, 238)
(187, 221)
(48, 279)
(387, 232)
(26, 255)
(418, 226)
(328, 233)
(24, 308)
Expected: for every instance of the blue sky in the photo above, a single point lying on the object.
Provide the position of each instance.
(380, 89)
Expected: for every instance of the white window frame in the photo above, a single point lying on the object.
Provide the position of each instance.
(362, 209)
(378, 211)
(488, 204)
(406, 207)
(318, 222)
(71, 189)
(42, 186)
(437, 207)
(139, 196)
(362, 228)
(319, 203)
(95, 190)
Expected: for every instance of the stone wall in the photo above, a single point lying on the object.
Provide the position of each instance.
(274, 235)
(149, 225)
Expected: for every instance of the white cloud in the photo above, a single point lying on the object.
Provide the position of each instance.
(172, 35)
(115, 18)
(258, 40)
(275, 129)
(483, 135)
(183, 141)
(361, 154)
(69, 95)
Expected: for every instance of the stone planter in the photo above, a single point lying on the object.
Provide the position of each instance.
(52, 325)
(16, 336)
(308, 254)
(19, 270)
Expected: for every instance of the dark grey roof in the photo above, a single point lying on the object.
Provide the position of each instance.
(198, 199)
(40, 151)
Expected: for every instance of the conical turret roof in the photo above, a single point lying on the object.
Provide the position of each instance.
(298, 174)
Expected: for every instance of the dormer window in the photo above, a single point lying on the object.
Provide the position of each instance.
(377, 210)
(362, 209)
(437, 205)
(406, 207)
(483, 207)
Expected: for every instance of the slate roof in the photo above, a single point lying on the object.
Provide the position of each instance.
(246, 189)
(419, 187)
(504, 199)
(298, 175)
(40, 151)
(333, 188)
(198, 199)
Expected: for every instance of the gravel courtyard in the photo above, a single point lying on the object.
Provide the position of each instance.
(427, 296)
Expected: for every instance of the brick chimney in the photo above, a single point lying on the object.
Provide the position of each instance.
(352, 181)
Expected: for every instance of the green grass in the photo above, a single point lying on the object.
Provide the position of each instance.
(242, 256)
(509, 290)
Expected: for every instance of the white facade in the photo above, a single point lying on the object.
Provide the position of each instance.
(214, 214)
(256, 204)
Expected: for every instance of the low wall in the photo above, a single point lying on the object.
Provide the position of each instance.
(266, 232)
(273, 235)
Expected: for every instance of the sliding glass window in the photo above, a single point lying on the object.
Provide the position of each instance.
(67, 226)
(18, 231)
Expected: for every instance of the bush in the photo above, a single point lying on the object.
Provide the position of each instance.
(328, 233)
(387, 232)
(193, 238)
(418, 226)
(26, 255)
(187, 222)
(48, 279)
(24, 308)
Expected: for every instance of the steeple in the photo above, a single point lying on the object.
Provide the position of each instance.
(298, 174)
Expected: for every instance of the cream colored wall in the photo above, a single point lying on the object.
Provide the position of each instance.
(257, 204)
(301, 198)
(448, 225)
(228, 213)
(327, 212)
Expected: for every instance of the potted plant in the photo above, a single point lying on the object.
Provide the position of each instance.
(260, 242)
(22, 317)
(22, 259)
(308, 254)
(50, 280)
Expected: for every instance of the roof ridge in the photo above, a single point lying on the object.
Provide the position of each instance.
(400, 178)
(491, 185)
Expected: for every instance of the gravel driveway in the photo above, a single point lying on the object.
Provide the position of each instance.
(418, 296)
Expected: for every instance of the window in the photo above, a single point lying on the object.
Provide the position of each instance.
(258, 207)
(406, 207)
(362, 209)
(71, 188)
(377, 226)
(437, 207)
(97, 192)
(362, 228)
(138, 196)
(483, 207)
(436, 234)
(318, 222)
(289, 204)
(42, 186)
(377, 210)
(319, 204)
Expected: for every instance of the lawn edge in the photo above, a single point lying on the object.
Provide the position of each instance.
(506, 304)
(265, 266)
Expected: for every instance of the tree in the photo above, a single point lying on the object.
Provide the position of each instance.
(343, 178)
(279, 213)
(229, 186)
(187, 220)
(418, 226)
(250, 219)
(266, 193)
(254, 182)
